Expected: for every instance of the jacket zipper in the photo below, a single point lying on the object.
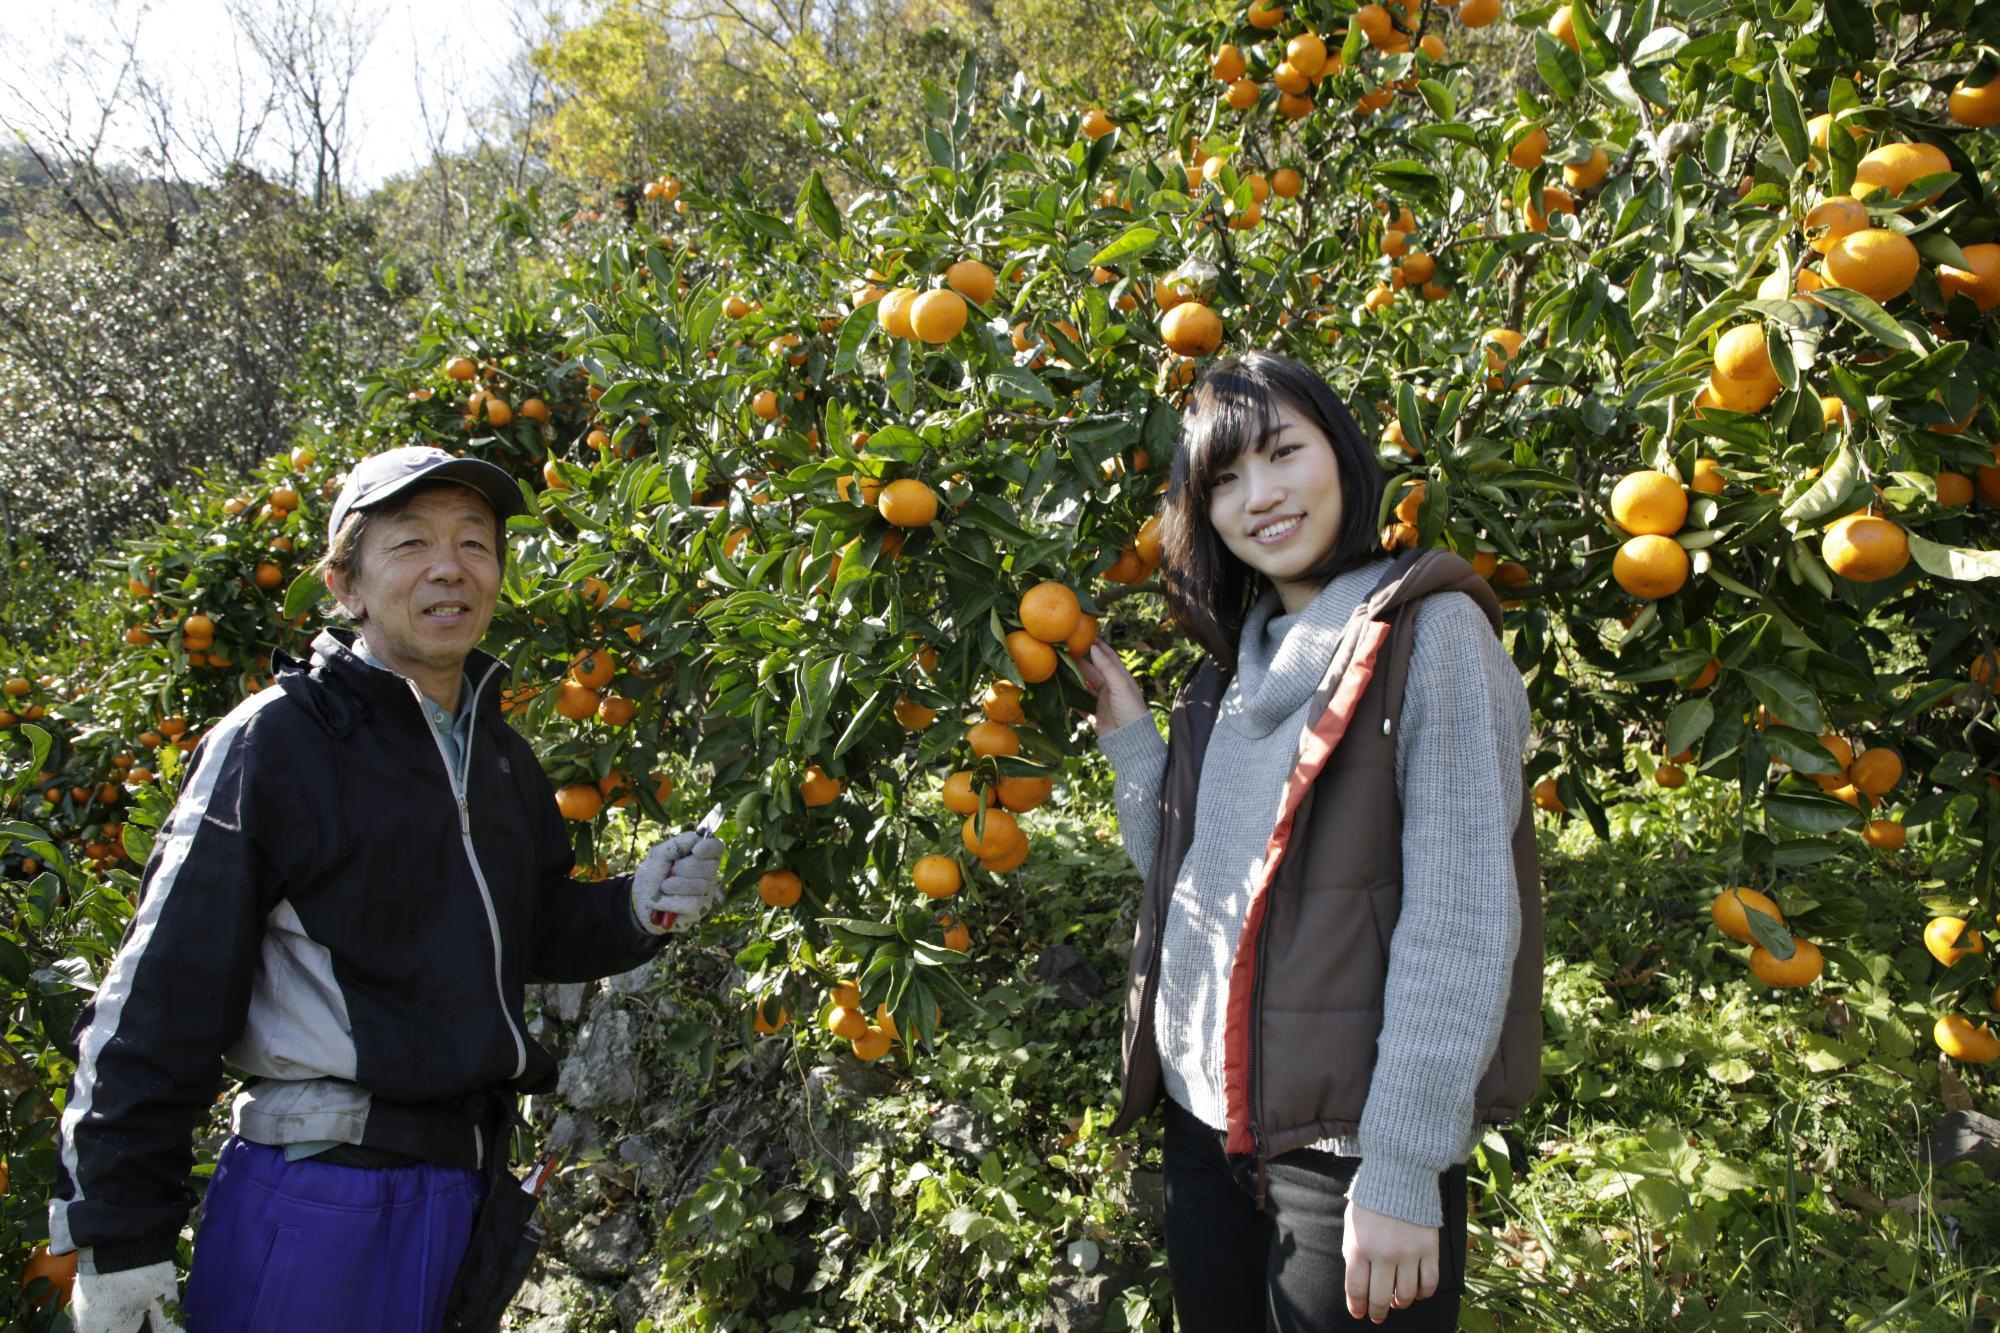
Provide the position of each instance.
(457, 781)
(1256, 1049)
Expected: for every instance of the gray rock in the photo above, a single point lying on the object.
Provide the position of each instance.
(573, 1134)
(608, 1247)
(962, 1130)
(565, 1001)
(1076, 982)
(648, 1167)
(1078, 1302)
(631, 983)
(1964, 1136)
(603, 1070)
(1146, 1196)
(641, 1298)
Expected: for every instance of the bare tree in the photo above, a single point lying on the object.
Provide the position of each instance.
(313, 52)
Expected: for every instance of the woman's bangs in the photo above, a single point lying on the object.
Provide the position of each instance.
(1230, 412)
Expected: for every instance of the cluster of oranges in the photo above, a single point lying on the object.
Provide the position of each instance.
(1730, 912)
(1948, 939)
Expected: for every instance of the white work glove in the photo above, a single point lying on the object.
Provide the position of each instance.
(676, 883)
(133, 1300)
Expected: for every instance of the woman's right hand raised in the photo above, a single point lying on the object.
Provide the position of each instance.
(1119, 698)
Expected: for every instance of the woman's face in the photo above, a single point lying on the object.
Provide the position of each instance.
(1278, 509)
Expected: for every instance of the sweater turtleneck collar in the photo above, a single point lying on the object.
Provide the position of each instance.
(1281, 658)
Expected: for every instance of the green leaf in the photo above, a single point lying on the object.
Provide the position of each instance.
(1438, 98)
(1801, 751)
(1810, 813)
(1961, 563)
(1786, 118)
(1021, 383)
(1862, 311)
(1689, 721)
(818, 204)
(1561, 68)
(1826, 494)
(1134, 240)
(854, 331)
(306, 591)
(1790, 698)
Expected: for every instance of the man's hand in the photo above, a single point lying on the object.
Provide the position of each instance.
(127, 1301)
(1391, 1264)
(676, 882)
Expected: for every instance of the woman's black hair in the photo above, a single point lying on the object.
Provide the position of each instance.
(1209, 591)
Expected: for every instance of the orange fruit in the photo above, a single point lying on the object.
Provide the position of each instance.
(893, 312)
(1096, 124)
(1742, 355)
(844, 995)
(593, 668)
(1050, 612)
(850, 1024)
(1894, 167)
(268, 575)
(991, 738)
(1242, 94)
(1479, 13)
(817, 789)
(1832, 218)
(617, 710)
(1886, 834)
(1034, 659)
(1742, 395)
(992, 839)
(972, 280)
(912, 715)
(1589, 173)
(1864, 548)
(1978, 107)
(460, 368)
(1707, 479)
(1980, 281)
(936, 876)
(765, 404)
(1650, 566)
(1649, 503)
(1528, 151)
(1801, 969)
(871, 1045)
(59, 1269)
(1949, 940)
(1953, 489)
(779, 888)
(578, 703)
(1508, 341)
(1228, 63)
(1670, 776)
(1078, 643)
(961, 798)
(1729, 906)
(1265, 14)
(956, 937)
(1002, 701)
(1878, 263)
(1024, 794)
(1545, 790)
(764, 1025)
(939, 316)
(908, 503)
(1954, 1033)
(1286, 183)
(580, 801)
(1875, 770)
(1191, 329)
(1562, 27)
(1000, 865)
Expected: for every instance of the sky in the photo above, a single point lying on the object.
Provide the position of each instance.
(193, 50)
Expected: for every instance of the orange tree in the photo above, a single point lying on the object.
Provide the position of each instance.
(1689, 347)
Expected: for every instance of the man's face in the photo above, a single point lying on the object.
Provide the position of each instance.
(428, 582)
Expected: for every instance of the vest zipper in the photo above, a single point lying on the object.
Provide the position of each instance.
(1256, 1051)
(457, 780)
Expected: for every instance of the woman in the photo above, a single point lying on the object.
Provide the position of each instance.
(1337, 972)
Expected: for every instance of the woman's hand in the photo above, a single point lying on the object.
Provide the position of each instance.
(1119, 698)
(1391, 1264)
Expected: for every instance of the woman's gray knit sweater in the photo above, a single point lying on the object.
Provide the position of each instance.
(1458, 771)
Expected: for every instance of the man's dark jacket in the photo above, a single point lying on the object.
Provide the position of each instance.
(327, 910)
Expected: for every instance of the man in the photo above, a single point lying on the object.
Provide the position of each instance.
(364, 868)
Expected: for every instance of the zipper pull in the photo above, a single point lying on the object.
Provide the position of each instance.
(464, 816)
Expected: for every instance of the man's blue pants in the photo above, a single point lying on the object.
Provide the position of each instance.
(306, 1247)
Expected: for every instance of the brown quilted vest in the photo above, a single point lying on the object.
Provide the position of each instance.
(1304, 1002)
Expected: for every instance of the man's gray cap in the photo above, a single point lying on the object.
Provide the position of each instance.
(386, 475)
